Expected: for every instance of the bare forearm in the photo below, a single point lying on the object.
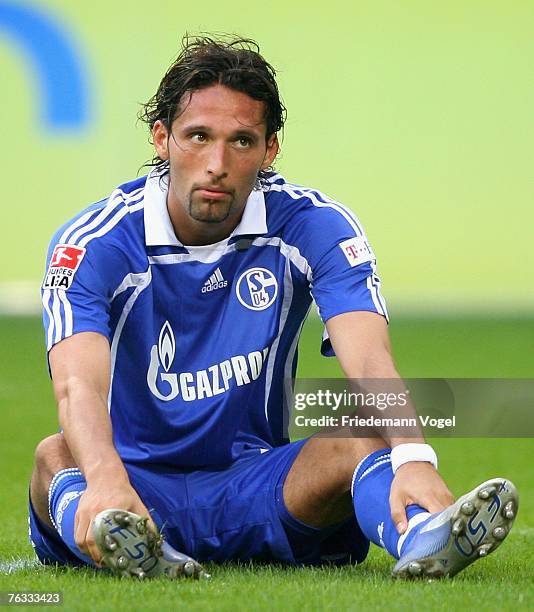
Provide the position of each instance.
(384, 375)
(362, 346)
(80, 367)
(84, 417)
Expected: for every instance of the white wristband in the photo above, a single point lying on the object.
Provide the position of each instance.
(404, 453)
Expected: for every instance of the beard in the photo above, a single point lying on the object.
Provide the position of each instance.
(210, 211)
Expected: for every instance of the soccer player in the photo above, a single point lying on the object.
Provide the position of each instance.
(172, 312)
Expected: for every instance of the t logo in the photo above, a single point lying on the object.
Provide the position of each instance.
(356, 250)
(351, 251)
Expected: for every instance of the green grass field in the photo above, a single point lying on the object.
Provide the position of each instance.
(423, 348)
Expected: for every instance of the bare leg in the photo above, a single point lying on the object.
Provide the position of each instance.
(317, 487)
(51, 455)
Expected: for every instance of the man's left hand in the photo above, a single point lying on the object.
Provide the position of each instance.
(417, 482)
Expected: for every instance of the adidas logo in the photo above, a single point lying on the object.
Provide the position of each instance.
(214, 282)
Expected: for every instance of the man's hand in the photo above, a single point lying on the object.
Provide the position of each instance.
(102, 494)
(417, 482)
(81, 372)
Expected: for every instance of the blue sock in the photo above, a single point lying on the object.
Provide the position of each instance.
(63, 498)
(371, 484)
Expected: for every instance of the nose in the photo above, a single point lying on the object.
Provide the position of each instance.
(216, 163)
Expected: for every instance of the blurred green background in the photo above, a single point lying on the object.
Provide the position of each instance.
(417, 115)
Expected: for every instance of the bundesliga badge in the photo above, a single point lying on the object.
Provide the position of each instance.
(65, 261)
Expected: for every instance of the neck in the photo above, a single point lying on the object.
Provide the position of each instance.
(191, 232)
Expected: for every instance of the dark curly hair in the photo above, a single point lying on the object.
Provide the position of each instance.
(205, 61)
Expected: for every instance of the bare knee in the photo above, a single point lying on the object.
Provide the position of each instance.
(51, 455)
(328, 464)
(317, 487)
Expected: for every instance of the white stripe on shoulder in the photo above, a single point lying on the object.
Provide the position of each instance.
(313, 196)
(105, 212)
(373, 282)
(78, 223)
(116, 199)
(135, 207)
(62, 327)
(122, 212)
(119, 214)
(328, 200)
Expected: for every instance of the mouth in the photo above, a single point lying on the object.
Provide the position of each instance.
(210, 193)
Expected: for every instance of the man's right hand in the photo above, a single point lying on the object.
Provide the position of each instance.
(102, 494)
(81, 371)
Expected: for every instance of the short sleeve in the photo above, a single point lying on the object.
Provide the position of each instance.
(78, 288)
(343, 265)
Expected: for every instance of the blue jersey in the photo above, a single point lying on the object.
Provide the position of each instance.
(204, 338)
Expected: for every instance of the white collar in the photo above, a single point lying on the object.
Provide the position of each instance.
(158, 227)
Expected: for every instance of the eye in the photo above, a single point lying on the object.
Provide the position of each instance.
(244, 142)
(198, 137)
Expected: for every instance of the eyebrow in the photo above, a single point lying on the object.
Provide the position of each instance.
(242, 131)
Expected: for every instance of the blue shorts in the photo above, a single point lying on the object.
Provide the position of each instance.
(233, 513)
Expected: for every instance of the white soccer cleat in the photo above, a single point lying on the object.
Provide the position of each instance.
(469, 529)
(130, 546)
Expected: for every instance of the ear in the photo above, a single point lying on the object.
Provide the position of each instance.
(272, 151)
(160, 138)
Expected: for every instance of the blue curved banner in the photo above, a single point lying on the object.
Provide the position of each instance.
(55, 62)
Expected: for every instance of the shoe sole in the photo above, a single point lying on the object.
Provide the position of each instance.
(479, 522)
(130, 546)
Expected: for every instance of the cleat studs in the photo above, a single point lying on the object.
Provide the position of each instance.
(499, 533)
(509, 510)
(120, 518)
(458, 527)
(188, 568)
(414, 569)
(123, 519)
(138, 572)
(484, 550)
(487, 492)
(122, 562)
(110, 543)
(467, 508)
